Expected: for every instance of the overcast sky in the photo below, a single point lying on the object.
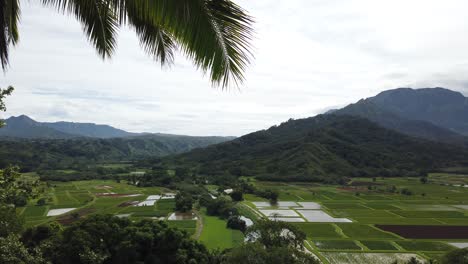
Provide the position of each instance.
(311, 55)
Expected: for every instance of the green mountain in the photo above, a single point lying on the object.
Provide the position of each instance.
(33, 154)
(323, 148)
(433, 113)
(89, 130)
(25, 127)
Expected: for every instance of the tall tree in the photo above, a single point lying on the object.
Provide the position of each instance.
(271, 242)
(214, 34)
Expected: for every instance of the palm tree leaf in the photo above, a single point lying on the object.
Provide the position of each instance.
(215, 34)
(156, 42)
(99, 21)
(9, 17)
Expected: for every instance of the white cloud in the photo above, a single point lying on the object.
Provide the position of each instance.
(311, 55)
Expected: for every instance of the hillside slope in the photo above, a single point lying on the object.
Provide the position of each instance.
(88, 130)
(64, 153)
(25, 127)
(323, 148)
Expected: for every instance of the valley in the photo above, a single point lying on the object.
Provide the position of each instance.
(373, 182)
(373, 209)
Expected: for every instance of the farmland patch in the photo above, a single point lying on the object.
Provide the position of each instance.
(368, 258)
(427, 232)
(336, 245)
(279, 213)
(55, 212)
(318, 216)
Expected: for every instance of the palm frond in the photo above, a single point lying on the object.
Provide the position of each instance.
(9, 18)
(153, 38)
(98, 18)
(214, 34)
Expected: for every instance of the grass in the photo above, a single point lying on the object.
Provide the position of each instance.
(344, 206)
(360, 231)
(336, 245)
(167, 205)
(317, 230)
(431, 214)
(34, 211)
(424, 246)
(378, 245)
(216, 235)
(183, 224)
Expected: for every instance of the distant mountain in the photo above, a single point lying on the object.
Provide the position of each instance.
(324, 148)
(35, 145)
(432, 113)
(40, 154)
(440, 106)
(89, 130)
(25, 127)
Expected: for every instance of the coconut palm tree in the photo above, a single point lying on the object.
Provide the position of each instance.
(214, 34)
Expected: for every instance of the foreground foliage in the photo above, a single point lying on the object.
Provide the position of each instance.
(107, 239)
(215, 35)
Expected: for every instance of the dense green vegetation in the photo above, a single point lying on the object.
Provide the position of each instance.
(322, 148)
(80, 153)
(382, 203)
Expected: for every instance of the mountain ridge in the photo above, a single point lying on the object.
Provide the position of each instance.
(321, 148)
(417, 112)
(24, 127)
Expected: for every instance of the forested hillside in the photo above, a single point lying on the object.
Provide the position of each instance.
(66, 153)
(323, 148)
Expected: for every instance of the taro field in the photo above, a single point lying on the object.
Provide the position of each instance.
(67, 202)
(367, 221)
(373, 220)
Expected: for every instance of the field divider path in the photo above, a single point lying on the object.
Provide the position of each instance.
(437, 220)
(315, 251)
(21, 211)
(299, 197)
(395, 244)
(399, 216)
(260, 215)
(339, 231)
(363, 247)
(297, 212)
(199, 228)
(71, 197)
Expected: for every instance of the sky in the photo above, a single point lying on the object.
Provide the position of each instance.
(310, 56)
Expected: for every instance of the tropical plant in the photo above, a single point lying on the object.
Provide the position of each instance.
(4, 93)
(214, 34)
